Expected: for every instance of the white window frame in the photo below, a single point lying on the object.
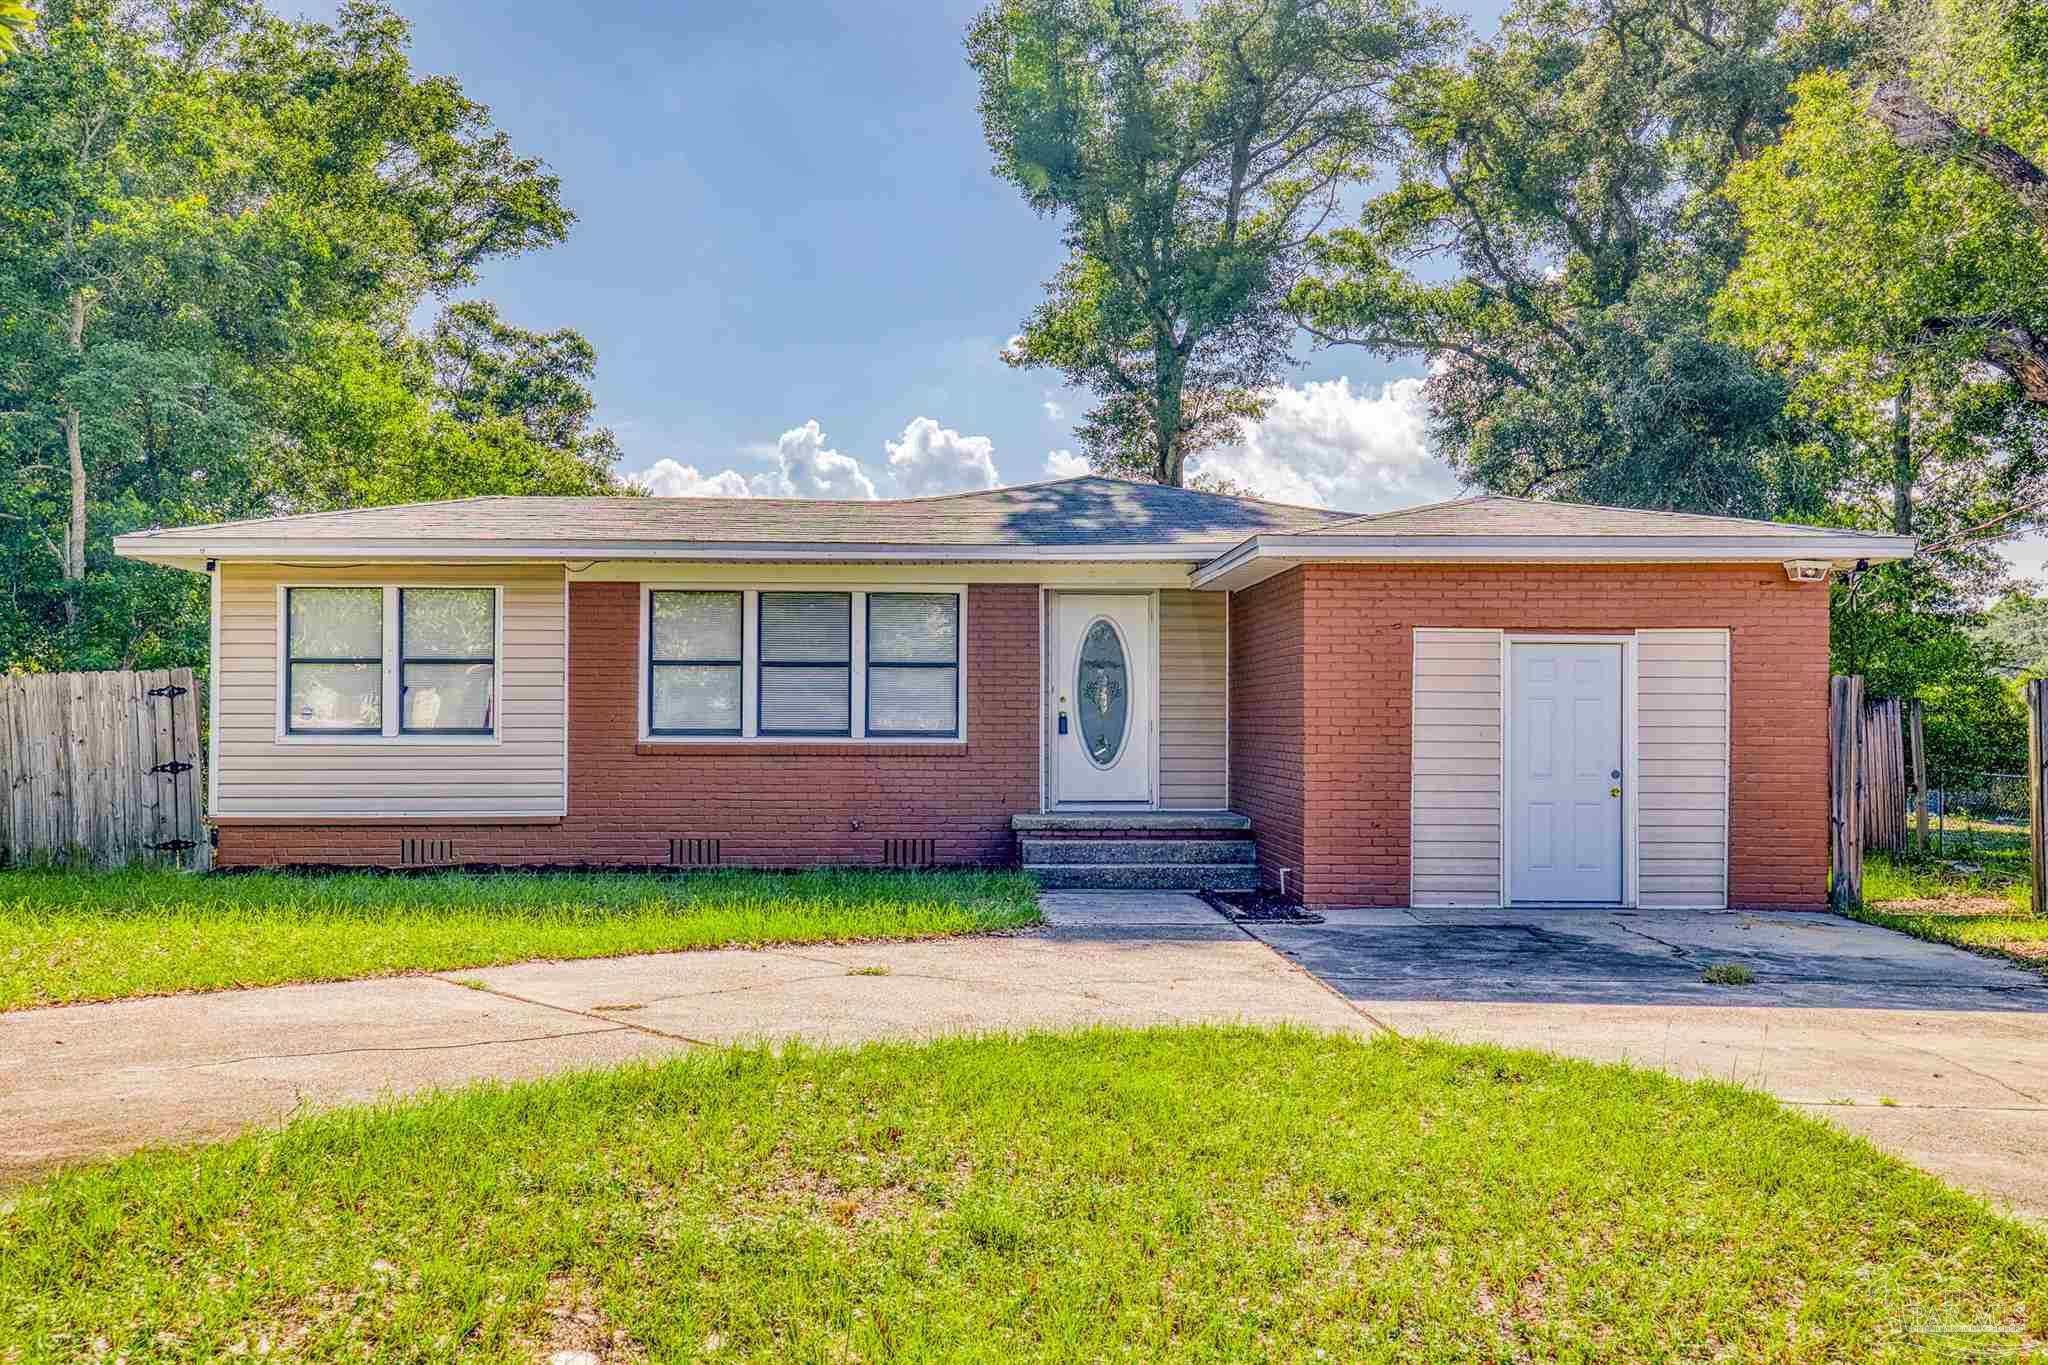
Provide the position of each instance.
(750, 661)
(392, 671)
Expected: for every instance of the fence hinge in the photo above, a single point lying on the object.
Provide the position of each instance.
(173, 690)
(176, 765)
(174, 846)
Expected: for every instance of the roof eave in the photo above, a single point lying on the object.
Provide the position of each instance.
(165, 549)
(1262, 556)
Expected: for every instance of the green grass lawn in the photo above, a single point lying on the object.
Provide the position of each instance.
(1975, 896)
(73, 936)
(1214, 1194)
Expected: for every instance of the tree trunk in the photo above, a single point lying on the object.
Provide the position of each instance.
(1902, 462)
(1169, 458)
(74, 530)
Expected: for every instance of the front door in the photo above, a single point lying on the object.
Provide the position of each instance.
(1098, 700)
(1565, 773)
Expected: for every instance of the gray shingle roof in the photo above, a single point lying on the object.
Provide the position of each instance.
(1494, 515)
(1074, 513)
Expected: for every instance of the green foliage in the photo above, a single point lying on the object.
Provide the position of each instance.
(1569, 169)
(17, 21)
(215, 225)
(1899, 627)
(2017, 627)
(1869, 278)
(1189, 156)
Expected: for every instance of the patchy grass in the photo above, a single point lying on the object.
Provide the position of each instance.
(1728, 974)
(75, 936)
(1153, 1195)
(1977, 899)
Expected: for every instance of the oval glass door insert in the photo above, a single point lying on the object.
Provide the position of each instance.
(1103, 686)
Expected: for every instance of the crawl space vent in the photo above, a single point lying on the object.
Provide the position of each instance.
(693, 853)
(426, 852)
(910, 852)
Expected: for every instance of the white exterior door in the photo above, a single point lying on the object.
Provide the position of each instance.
(1098, 702)
(1565, 773)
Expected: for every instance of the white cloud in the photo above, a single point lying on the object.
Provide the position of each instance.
(808, 468)
(1053, 410)
(1324, 445)
(667, 479)
(1065, 464)
(934, 459)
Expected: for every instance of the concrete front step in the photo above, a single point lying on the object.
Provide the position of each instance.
(1176, 822)
(1186, 851)
(1145, 876)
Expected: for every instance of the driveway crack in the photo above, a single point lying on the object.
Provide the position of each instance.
(483, 989)
(1677, 950)
(403, 1047)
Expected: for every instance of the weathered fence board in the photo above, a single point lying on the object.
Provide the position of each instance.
(1884, 775)
(1845, 791)
(2037, 771)
(101, 769)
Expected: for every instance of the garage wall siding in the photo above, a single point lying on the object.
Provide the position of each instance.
(1682, 767)
(1457, 780)
(1194, 767)
(523, 774)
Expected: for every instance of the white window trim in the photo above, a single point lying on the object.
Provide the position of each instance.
(391, 736)
(750, 661)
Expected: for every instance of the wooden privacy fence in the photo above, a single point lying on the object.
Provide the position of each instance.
(101, 768)
(1884, 775)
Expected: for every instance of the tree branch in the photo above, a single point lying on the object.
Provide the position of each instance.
(1918, 126)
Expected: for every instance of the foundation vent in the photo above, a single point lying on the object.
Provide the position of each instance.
(693, 853)
(426, 852)
(910, 852)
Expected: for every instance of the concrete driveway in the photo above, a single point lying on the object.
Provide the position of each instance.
(1936, 1054)
(93, 1080)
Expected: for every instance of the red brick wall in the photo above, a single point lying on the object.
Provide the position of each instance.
(777, 806)
(1351, 708)
(1268, 773)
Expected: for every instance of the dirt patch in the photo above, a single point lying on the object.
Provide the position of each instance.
(1258, 907)
(1958, 906)
(2033, 950)
(575, 1330)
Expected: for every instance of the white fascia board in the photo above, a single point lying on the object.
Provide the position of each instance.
(1254, 559)
(145, 547)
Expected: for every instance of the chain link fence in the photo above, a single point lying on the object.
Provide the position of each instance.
(1963, 804)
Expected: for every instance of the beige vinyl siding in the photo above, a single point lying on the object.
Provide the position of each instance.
(1194, 667)
(1455, 804)
(520, 772)
(1682, 766)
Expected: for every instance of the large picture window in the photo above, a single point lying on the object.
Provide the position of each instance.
(334, 661)
(806, 663)
(695, 664)
(801, 663)
(913, 664)
(447, 660)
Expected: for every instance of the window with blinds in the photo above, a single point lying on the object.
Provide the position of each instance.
(806, 668)
(694, 663)
(913, 674)
(795, 664)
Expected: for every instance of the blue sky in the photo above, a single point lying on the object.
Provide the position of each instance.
(796, 265)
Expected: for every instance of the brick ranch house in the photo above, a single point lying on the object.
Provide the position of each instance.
(1483, 702)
